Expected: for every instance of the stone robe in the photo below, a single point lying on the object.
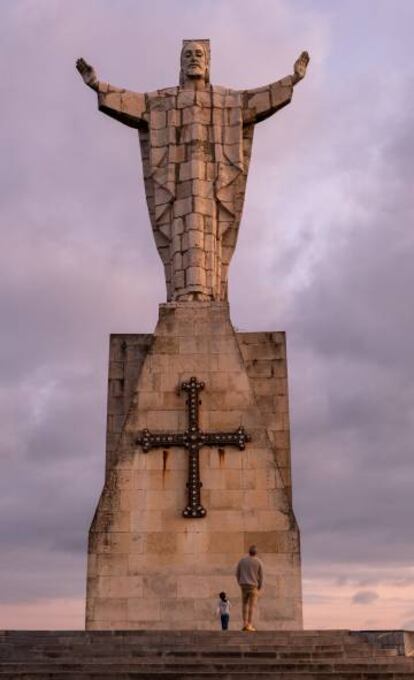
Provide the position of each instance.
(196, 148)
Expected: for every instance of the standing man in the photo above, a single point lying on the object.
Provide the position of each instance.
(249, 576)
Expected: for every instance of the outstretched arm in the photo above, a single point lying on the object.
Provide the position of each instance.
(263, 102)
(123, 105)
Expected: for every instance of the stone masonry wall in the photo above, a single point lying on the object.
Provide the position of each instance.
(265, 359)
(148, 567)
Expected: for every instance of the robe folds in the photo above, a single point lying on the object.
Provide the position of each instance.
(196, 149)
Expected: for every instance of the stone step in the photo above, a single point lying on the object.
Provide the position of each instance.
(332, 634)
(186, 649)
(149, 655)
(165, 675)
(217, 665)
(228, 639)
(110, 652)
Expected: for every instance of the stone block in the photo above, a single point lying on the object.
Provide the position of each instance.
(192, 542)
(132, 500)
(174, 118)
(223, 521)
(232, 135)
(225, 581)
(182, 206)
(184, 189)
(146, 520)
(225, 458)
(195, 275)
(289, 541)
(177, 226)
(281, 93)
(194, 169)
(195, 586)
(260, 101)
(160, 586)
(175, 522)
(159, 155)
(143, 609)
(102, 543)
(112, 564)
(179, 278)
(257, 498)
(177, 153)
(192, 345)
(225, 499)
(280, 369)
(167, 500)
(195, 221)
(286, 477)
(266, 541)
(194, 134)
(115, 520)
(192, 239)
(230, 542)
(156, 542)
(277, 610)
(121, 586)
(162, 421)
(233, 480)
(116, 370)
(204, 206)
(202, 188)
(194, 257)
(185, 98)
(281, 439)
(105, 608)
(267, 520)
(177, 609)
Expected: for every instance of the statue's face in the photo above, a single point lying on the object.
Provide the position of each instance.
(194, 60)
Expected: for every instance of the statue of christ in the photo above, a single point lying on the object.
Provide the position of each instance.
(196, 141)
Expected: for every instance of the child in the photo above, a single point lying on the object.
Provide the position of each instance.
(223, 608)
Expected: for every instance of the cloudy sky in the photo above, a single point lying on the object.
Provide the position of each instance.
(327, 231)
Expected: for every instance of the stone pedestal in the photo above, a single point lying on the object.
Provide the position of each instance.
(148, 567)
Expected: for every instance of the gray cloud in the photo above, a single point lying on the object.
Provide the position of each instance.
(365, 597)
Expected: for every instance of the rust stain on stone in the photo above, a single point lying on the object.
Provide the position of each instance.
(221, 456)
(164, 464)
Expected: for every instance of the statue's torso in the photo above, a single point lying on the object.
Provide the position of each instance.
(196, 153)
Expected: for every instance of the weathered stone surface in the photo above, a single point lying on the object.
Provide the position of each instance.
(144, 557)
(196, 142)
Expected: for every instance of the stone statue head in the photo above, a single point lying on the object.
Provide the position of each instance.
(195, 60)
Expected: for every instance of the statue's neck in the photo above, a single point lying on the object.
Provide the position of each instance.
(194, 84)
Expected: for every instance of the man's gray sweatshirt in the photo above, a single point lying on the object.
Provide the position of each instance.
(250, 572)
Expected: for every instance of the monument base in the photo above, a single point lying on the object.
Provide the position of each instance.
(148, 566)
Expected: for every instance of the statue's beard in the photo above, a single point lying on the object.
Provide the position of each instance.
(194, 73)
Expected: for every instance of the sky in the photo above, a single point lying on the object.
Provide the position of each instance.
(325, 253)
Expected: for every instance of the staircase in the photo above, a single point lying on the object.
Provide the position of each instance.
(198, 655)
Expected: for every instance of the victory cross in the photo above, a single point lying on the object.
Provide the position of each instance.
(193, 439)
(196, 142)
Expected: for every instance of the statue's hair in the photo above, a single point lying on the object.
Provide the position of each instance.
(205, 43)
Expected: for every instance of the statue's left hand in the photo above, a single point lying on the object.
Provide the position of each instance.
(87, 72)
(300, 66)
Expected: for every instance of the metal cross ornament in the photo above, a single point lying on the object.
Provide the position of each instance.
(193, 440)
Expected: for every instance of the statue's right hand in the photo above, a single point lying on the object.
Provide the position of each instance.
(87, 72)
